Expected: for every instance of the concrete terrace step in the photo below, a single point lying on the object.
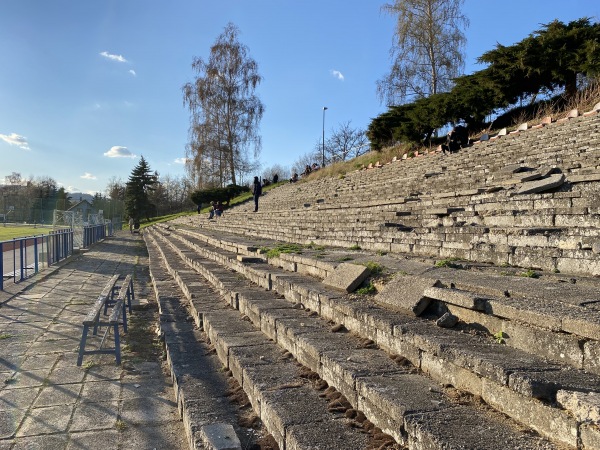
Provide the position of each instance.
(558, 306)
(527, 235)
(370, 381)
(531, 149)
(280, 391)
(448, 356)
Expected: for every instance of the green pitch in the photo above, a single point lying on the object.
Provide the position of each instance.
(11, 231)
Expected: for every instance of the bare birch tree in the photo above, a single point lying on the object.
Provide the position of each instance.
(225, 112)
(346, 143)
(427, 51)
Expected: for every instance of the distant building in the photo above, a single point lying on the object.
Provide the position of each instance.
(83, 209)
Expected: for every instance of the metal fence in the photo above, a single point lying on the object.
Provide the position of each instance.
(23, 257)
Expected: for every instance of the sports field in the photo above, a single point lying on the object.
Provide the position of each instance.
(9, 232)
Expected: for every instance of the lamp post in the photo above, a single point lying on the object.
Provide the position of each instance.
(324, 109)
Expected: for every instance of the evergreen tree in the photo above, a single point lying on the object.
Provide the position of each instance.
(140, 183)
(551, 58)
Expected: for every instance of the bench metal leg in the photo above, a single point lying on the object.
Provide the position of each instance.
(124, 314)
(82, 345)
(130, 295)
(117, 344)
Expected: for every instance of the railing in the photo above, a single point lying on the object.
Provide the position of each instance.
(24, 257)
(95, 233)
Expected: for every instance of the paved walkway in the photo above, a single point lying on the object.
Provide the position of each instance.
(46, 401)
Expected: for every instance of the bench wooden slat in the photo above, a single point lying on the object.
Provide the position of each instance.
(92, 316)
(121, 299)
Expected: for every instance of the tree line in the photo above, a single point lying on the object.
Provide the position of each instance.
(549, 65)
(424, 91)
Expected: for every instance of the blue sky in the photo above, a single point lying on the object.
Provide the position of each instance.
(86, 87)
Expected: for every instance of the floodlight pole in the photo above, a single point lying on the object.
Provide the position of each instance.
(324, 109)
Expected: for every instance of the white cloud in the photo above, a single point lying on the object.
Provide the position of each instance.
(339, 75)
(132, 72)
(15, 139)
(112, 57)
(119, 152)
(88, 176)
(180, 160)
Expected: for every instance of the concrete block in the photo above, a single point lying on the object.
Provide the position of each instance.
(591, 356)
(387, 400)
(445, 372)
(278, 416)
(406, 292)
(347, 277)
(398, 346)
(555, 424)
(342, 368)
(329, 435)
(260, 378)
(459, 428)
(559, 347)
(545, 184)
(457, 297)
(220, 436)
(584, 406)
(590, 437)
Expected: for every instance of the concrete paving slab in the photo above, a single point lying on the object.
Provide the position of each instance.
(55, 395)
(96, 440)
(95, 416)
(17, 398)
(101, 391)
(47, 442)
(63, 374)
(40, 362)
(150, 438)
(27, 378)
(10, 421)
(50, 420)
(148, 411)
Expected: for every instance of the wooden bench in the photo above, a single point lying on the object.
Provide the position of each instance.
(110, 301)
(118, 316)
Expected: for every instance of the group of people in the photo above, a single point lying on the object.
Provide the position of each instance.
(308, 169)
(216, 209)
(457, 138)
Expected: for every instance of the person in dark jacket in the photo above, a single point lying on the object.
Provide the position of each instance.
(256, 192)
(457, 138)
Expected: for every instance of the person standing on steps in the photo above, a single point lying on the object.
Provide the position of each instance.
(131, 222)
(256, 192)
